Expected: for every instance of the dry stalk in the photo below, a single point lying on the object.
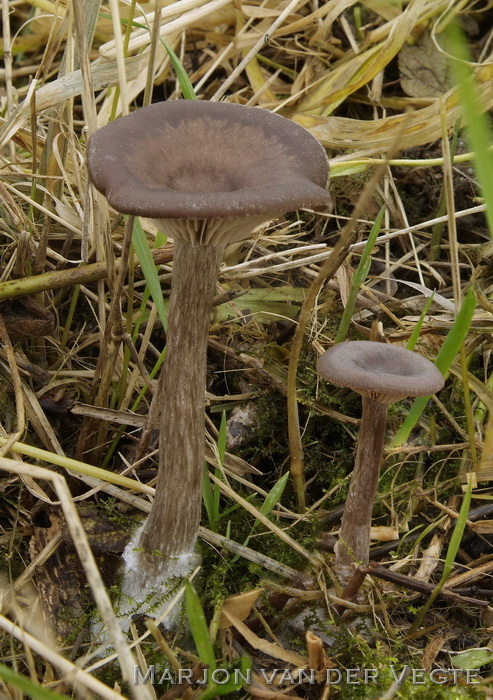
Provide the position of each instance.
(79, 537)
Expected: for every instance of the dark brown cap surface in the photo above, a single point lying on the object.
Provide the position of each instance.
(188, 159)
(386, 372)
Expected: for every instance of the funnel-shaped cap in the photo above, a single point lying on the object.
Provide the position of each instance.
(188, 159)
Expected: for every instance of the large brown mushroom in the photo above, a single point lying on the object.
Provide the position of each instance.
(382, 374)
(208, 174)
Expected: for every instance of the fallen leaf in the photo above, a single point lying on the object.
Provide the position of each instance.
(424, 68)
(240, 606)
(262, 645)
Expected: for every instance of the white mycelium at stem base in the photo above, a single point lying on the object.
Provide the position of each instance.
(209, 173)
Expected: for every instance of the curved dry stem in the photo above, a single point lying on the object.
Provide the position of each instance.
(328, 269)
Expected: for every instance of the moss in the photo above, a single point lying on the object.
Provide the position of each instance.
(384, 667)
(267, 445)
(113, 511)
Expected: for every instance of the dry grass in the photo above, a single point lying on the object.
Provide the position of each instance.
(81, 341)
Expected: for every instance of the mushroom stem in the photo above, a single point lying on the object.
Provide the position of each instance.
(171, 529)
(354, 536)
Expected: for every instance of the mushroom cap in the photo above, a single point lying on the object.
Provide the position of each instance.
(188, 159)
(386, 373)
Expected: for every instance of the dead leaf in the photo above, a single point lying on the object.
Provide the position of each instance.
(384, 534)
(25, 318)
(433, 648)
(239, 605)
(410, 129)
(264, 646)
(350, 75)
(424, 69)
(344, 277)
(483, 527)
(61, 580)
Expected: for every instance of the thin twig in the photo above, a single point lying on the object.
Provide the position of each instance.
(328, 269)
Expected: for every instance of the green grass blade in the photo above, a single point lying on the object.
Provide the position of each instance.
(358, 279)
(221, 448)
(198, 627)
(273, 497)
(457, 334)
(445, 357)
(221, 438)
(143, 252)
(152, 374)
(27, 686)
(458, 533)
(478, 125)
(231, 686)
(414, 337)
(275, 494)
(208, 499)
(211, 494)
(186, 86)
(452, 550)
(76, 466)
(473, 658)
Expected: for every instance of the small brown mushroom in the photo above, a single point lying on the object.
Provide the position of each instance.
(208, 174)
(382, 374)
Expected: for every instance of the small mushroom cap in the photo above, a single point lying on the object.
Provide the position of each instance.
(386, 373)
(188, 159)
